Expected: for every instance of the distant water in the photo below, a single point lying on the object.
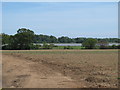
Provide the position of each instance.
(110, 44)
(69, 44)
(73, 44)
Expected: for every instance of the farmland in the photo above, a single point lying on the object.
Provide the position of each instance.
(60, 68)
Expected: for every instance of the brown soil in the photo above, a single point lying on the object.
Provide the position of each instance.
(0, 70)
(71, 70)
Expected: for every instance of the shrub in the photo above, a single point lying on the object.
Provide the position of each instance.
(35, 46)
(103, 47)
(114, 46)
(89, 43)
(68, 47)
(111, 47)
(118, 46)
(5, 47)
(47, 46)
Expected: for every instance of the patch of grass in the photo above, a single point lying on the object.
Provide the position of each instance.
(58, 47)
(62, 51)
(62, 47)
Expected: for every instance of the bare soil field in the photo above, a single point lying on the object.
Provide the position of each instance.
(60, 68)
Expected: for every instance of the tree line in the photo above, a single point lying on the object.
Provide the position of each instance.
(24, 39)
(64, 39)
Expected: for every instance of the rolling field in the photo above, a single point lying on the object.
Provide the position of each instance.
(60, 68)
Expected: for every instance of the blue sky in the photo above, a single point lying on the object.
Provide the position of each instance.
(0, 17)
(73, 19)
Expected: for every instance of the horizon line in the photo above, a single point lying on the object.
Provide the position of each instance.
(65, 36)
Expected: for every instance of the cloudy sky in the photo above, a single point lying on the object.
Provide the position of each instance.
(73, 19)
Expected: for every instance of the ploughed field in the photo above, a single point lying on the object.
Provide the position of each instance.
(60, 68)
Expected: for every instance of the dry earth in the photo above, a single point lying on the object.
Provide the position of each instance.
(0, 70)
(22, 73)
(60, 70)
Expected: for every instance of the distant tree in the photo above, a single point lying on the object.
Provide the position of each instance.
(45, 38)
(68, 47)
(53, 39)
(36, 38)
(103, 44)
(0, 41)
(79, 40)
(47, 46)
(89, 43)
(64, 39)
(110, 40)
(23, 39)
(5, 38)
(114, 46)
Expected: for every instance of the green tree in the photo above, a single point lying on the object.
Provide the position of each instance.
(47, 46)
(53, 39)
(79, 40)
(13, 44)
(23, 39)
(64, 39)
(5, 38)
(89, 43)
(103, 44)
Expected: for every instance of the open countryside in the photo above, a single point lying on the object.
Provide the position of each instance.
(94, 64)
(59, 45)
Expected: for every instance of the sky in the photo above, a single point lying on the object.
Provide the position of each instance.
(0, 17)
(72, 19)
